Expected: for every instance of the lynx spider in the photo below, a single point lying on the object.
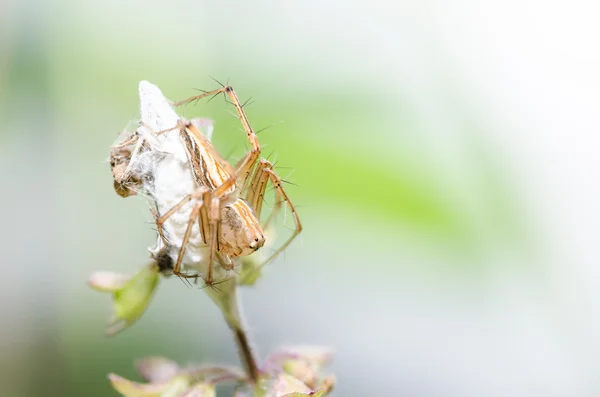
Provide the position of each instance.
(228, 201)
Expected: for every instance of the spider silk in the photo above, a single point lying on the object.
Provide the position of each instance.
(171, 177)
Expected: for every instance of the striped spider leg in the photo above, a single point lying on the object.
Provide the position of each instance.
(226, 224)
(228, 203)
(254, 173)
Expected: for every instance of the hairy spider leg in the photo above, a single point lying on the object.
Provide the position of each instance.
(264, 170)
(216, 179)
(198, 207)
(246, 165)
(255, 197)
(252, 178)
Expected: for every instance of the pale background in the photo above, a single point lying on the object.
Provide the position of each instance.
(446, 157)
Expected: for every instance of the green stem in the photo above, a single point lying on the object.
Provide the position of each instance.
(227, 300)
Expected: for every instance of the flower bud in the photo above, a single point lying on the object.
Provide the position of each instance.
(304, 363)
(108, 281)
(157, 369)
(285, 384)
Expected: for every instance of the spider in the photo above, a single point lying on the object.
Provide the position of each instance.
(226, 201)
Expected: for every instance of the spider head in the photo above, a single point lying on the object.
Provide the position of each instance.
(258, 242)
(240, 230)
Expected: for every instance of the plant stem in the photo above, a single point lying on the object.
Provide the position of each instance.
(227, 300)
(246, 355)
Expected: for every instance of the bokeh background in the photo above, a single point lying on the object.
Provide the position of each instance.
(445, 156)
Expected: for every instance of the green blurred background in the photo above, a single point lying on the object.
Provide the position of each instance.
(445, 157)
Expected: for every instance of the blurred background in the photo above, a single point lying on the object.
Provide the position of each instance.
(445, 157)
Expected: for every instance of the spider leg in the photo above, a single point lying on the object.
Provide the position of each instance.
(225, 261)
(180, 125)
(184, 242)
(214, 218)
(255, 197)
(276, 180)
(127, 142)
(255, 194)
(160, 220)
(209, 221)
(203, 221)
(246, 165)
(276, 208)
(163, 218)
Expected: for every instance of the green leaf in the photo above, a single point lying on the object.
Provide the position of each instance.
(130, 300)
